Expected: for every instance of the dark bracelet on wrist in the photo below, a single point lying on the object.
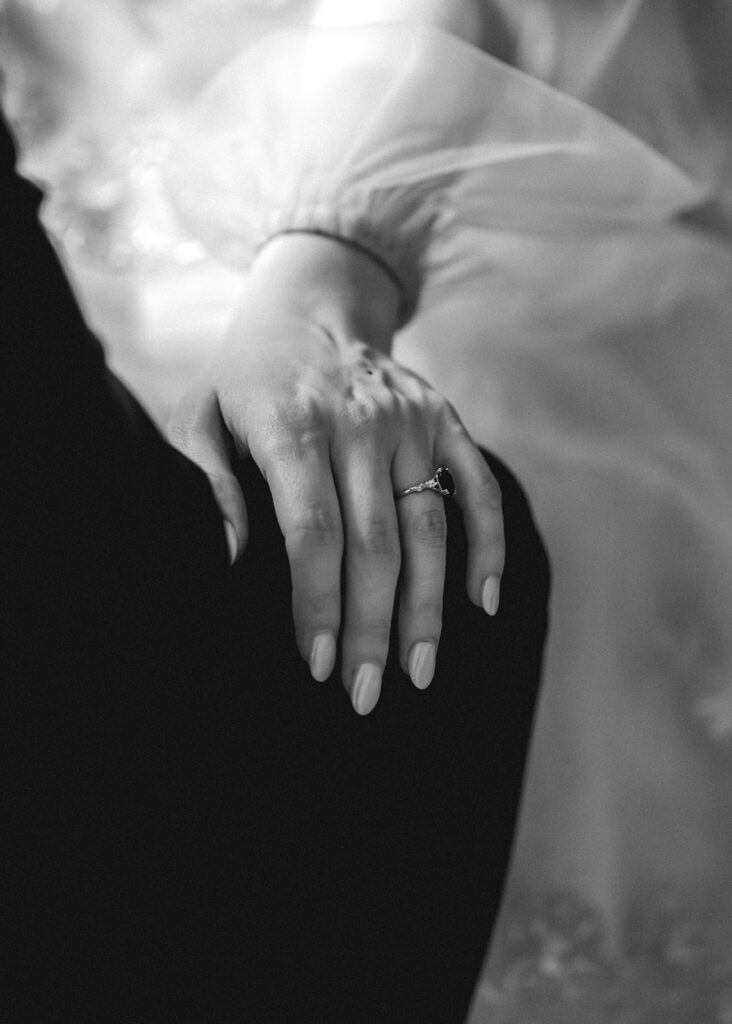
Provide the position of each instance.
(352, 244)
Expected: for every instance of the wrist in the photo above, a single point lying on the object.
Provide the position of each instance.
(337, 285)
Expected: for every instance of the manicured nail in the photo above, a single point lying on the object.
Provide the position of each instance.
(422, 663)
(490, 594)
(322, 656)
(366, 688)
(232, 541)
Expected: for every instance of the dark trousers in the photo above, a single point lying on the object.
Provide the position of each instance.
(195, 831)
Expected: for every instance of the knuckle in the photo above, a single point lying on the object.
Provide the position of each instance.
(380, 538)
(316, 526)
(363, 415)
(379, 629)
(290, 427)
(429, 528)
(293, 438)
(370, 412)
(307, 426)
(426, 615)
(429, 609)
(320, 604)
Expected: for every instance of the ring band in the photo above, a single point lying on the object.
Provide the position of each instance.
(442, 482)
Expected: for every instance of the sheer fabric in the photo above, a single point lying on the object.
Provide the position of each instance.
(545, 221)
(395, 135)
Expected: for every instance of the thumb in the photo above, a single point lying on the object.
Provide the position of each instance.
(198, 431)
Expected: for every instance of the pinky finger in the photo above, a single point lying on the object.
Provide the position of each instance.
(479, 496)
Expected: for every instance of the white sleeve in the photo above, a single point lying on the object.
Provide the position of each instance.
(390, 136)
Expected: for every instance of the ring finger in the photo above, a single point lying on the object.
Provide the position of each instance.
(423, 533)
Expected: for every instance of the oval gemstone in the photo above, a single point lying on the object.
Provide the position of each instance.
(445, 482)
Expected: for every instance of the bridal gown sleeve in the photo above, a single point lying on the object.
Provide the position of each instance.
(392, 137)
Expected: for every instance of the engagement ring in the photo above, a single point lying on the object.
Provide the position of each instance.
(442, 482)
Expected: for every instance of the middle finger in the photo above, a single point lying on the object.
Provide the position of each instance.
(371, 560)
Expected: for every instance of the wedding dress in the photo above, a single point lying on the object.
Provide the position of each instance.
(561, 231)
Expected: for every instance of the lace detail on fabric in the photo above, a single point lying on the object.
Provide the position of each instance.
(114, 211)
(551, 964)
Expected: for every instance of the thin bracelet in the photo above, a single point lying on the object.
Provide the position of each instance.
(351, 243)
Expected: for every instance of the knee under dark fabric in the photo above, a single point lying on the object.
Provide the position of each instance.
(194, 829)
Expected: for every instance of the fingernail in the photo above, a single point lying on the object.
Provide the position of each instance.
(422, 663)
(366, 688)
(322, 656)
(232, 541)
(490, 594)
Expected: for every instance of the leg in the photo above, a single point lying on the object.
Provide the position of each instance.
(196, 830)
(401, 823)
(339, 868)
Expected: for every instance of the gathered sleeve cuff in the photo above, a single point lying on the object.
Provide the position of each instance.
(393, 136)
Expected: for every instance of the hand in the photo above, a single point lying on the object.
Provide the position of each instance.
(304, 384)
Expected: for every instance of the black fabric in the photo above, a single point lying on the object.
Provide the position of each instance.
(194, 830)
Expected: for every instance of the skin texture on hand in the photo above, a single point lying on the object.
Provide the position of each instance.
(305, 385)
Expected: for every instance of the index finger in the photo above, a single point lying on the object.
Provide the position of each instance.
(308, 512)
